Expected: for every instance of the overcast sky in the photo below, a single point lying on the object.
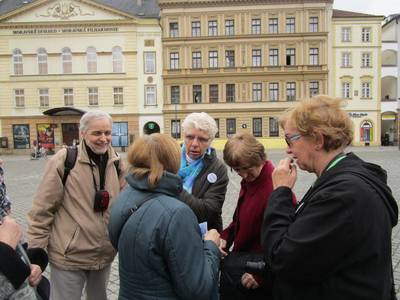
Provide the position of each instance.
(375, 7)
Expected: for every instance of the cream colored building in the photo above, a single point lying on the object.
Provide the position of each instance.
(61, 58)
(244, 62)
(355, 71)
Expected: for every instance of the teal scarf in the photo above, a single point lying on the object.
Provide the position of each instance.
(189, 172)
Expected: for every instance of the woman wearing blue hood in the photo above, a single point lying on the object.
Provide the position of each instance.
(161, 251)
(204, 175)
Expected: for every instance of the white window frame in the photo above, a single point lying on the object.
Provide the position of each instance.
(93, 96)
(230, 27)
(118, 95)
(274, 57)
(291, 91)
(196, 59)
(346, 59)
(273, 25)
(68, 96)
(273, 91)
(290, 25)
(366, 90)
(212, 28)
(19, 97)
(256, 26)
(314, 56)
(313, 24)
(314, 88)
(174, 60)
(66, 57)
(256, 92)
(213, 59)
(256, 57)
(346, 34)
(196, 28)
(366, 60)
(91, 60)
(42, 61)
(43, 97)
(346, 90)
(150, 95)
(18, 62)
(366, 34)
(117, 59)
(149, 59)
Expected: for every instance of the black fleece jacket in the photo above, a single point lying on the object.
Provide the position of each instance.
(336, 244)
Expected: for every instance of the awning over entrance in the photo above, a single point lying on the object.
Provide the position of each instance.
(64, 111)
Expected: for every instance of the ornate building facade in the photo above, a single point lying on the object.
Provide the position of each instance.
(243, 62)
(62, 58)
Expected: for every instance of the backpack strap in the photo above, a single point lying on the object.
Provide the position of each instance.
(69, 163)
(70, 160)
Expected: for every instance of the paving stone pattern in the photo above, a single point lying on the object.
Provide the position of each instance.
(23, 176)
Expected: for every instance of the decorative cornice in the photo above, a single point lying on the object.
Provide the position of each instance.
(207, 3)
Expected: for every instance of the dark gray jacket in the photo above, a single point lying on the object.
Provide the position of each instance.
(161, 253)
(207, 196)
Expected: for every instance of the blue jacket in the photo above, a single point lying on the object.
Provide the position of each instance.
(161, 253)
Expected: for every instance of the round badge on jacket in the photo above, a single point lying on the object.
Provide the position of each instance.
(212, 178)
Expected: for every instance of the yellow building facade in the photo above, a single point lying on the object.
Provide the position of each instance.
(355, 73)
(243, 62)
(61, 58)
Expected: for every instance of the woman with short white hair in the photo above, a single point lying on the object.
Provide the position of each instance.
(204, 176)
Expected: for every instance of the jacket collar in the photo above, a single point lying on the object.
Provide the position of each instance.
(84, 157)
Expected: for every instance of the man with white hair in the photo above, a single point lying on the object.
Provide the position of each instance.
(70, 212)
(204, 175)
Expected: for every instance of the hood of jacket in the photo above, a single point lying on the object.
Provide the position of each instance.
(169, 184)
(372, 174)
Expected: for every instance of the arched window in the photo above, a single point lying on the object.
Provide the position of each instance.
(18, 62)
(117, 59)
(42, 61)
(66, 57)
(91, 57)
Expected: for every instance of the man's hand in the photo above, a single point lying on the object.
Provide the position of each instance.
(36, 275)
(248, 281)
(285, 174)
(10, 232)
(213, 235)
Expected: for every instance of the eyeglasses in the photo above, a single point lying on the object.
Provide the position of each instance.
(201, 140)
(289, 139)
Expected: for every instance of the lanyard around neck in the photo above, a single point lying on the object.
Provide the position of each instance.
(336, 161)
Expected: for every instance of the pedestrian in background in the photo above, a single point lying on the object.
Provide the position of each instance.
(161, 252)
(336, 244)
(204, 175)
(71, 220)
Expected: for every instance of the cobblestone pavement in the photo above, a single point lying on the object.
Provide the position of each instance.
(23, 176)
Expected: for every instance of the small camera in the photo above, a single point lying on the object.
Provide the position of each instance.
(101, 201)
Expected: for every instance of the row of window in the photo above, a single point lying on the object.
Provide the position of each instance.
(366, 60)
(256, 58)
(68, 96)
(365, 34)
(91, 60)
(273, 92)
(255, 27)
(366, 90)
(257, 127)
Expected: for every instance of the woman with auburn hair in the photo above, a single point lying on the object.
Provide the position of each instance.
(161, 252)
(246, 156)
(336, 244)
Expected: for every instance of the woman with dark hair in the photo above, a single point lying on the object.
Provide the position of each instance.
(246, 156)
(161, 251)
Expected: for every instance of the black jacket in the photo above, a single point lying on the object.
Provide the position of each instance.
(337, 243)
(208, 196)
